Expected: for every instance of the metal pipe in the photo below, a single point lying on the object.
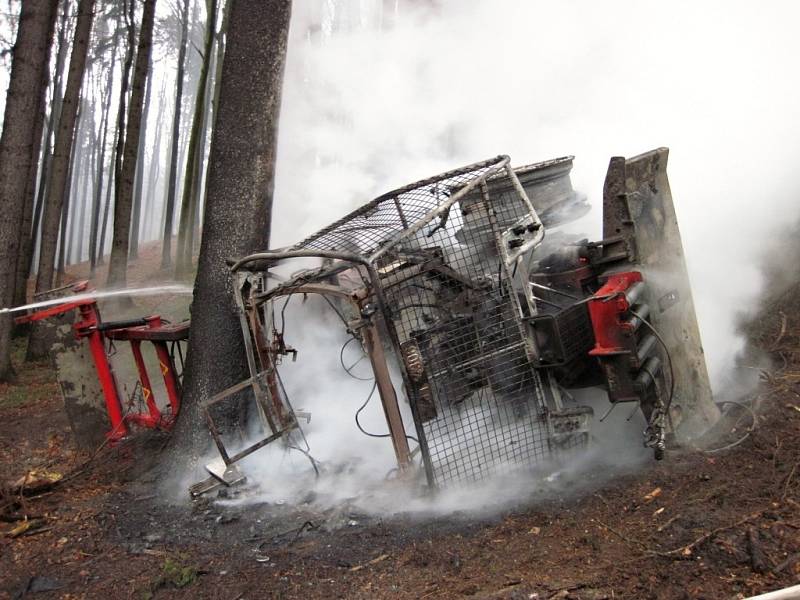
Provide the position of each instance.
(391, 409)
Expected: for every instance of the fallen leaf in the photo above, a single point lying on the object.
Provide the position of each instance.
(653, 495)
(20, 529)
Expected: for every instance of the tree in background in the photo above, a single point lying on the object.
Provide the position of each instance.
(172, 174)
(29, 65)
(62, 155)
(194, 160)
(123, 201)
(238, 205)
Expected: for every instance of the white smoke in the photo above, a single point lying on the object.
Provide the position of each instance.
(372, 108)
(370, 105)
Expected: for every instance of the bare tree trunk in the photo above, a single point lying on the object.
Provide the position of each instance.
(62, 152)
(238, 208)
(172, 173)
(83, 199)
(183, 255)
(154, 173)
(26, 236)
(100, 172)
(34, 36)
(118, 264)
(64, 239)
(102, 240)
(47, 153)
(137, 188)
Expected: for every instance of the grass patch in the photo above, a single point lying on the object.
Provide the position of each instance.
(175, 574)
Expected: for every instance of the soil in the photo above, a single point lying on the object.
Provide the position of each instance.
(696, 525)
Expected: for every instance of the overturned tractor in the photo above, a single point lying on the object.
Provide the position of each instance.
(454, 282)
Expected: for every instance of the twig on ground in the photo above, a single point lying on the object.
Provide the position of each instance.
(788, 481)
(624, 537)
(375, 560)
(668, 523)
(782, 332)
(686, 550)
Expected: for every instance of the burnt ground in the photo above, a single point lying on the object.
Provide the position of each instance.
(697, 525)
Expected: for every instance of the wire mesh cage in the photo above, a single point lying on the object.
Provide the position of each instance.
(439, 268)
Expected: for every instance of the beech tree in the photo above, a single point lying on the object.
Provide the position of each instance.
(17, 144)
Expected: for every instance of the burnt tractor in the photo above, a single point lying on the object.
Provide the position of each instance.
(464, 285)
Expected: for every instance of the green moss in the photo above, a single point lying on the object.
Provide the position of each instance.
(176, 574)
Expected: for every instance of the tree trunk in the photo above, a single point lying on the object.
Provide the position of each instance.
(154, 173)
(172, 173)
(111, 183)
(83, 199)
(47, 153)
(183, 254)
(26, 236)
(34, 36)
(64, 239)
(238, 206)
(60, 166)
(101, 155)
(138, 182)
(118, 264)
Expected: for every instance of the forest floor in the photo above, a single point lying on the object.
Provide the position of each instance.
(696, 525)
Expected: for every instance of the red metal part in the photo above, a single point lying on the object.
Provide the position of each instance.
(607, 310)
(155, 331)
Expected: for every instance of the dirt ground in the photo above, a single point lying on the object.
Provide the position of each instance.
(696, 525)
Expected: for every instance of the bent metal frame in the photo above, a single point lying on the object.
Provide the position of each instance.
(429, 277)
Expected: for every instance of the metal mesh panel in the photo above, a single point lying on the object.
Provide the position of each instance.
(454, 317)
(380, 222)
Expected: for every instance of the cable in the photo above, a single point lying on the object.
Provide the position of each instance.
(669, 362)
(314, 461)
(746, 434)
(349, 370)
(333, 307)
(376, 435)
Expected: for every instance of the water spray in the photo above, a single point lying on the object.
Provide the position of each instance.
(172, 289)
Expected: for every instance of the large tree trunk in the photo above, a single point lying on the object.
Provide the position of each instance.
(183, 256)
(26, 237)
(118, 264)
(172, 173)
(238, 206)
(34, 36)
(123, 201)
(62, 152)
(28, 252)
